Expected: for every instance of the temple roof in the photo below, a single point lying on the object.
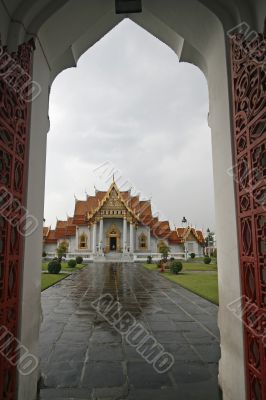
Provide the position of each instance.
(49, 235)
(140, 211)
(183, 234)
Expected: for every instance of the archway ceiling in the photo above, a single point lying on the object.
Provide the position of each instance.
(63, 41)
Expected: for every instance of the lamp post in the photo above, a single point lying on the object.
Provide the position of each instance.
(208, 239)
(184, 221)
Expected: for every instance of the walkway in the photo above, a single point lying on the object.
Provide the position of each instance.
(83, 357)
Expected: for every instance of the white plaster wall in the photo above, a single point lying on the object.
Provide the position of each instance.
(200, 250)
(50, 248)
(153, 245)
(72, 243)
(192, 246)
(175, 248)
(231, 369)
(31, 279)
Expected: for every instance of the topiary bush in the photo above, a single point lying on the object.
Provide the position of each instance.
(72, 263)
(44, 254)
(79, 260)
(54, 266)
(192, 255)
(176, 267)
(207, 260)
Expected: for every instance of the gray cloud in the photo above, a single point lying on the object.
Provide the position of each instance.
(130, 101)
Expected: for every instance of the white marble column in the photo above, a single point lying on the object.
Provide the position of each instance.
(101, 236)
(94, 231)
(149, 240)
(124, 235)
(131, 237)
(77, 238)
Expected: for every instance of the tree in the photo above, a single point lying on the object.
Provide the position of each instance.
(62, 249)
(164, 250)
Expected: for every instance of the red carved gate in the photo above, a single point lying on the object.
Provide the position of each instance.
(15, 70)
(248, 65)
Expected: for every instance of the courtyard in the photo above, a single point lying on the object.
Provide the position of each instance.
(83, 357)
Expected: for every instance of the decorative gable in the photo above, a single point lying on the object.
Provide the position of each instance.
(113, 206)
(113, 202)
(191, 237)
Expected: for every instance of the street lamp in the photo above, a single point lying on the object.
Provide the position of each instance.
(184, 220)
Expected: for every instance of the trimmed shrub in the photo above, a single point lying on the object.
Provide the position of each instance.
(54, 266)
(176, 267)
(192, 255)
(172, 259)
(149, 259)
(72, 263)
(44, 254)
(207, 260)
(79, 260)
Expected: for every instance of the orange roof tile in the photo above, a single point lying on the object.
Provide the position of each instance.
(142, 209)
(184, 232)
(50, 238)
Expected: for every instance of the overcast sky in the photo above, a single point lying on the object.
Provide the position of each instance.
(132, 109)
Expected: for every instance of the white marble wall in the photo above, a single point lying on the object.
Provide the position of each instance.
(139, 230)
(80, 230)
(50, 248)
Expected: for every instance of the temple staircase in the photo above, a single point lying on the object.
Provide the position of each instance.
(114, 257)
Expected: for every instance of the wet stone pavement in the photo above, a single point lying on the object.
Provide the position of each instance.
(83, 357)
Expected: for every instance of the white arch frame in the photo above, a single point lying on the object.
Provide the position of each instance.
(196, 31)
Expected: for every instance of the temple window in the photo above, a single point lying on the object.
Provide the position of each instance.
(83, 241)
(143, 242)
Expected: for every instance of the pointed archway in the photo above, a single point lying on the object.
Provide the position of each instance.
(197, 32)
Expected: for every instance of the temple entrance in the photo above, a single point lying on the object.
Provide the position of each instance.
(113, 236)
(112, 243)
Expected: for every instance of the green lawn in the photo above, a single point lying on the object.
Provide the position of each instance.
(51, 279)
(201, 283)
(64, 267)
(188, 266)
(194, 266)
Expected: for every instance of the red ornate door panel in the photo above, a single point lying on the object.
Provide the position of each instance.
(15, 70)
(248, 65)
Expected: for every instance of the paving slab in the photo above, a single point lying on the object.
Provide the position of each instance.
(83, 356)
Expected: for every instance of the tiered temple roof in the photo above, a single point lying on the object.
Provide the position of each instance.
(85, 211)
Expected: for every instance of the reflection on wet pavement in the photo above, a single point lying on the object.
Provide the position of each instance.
(83, 357)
